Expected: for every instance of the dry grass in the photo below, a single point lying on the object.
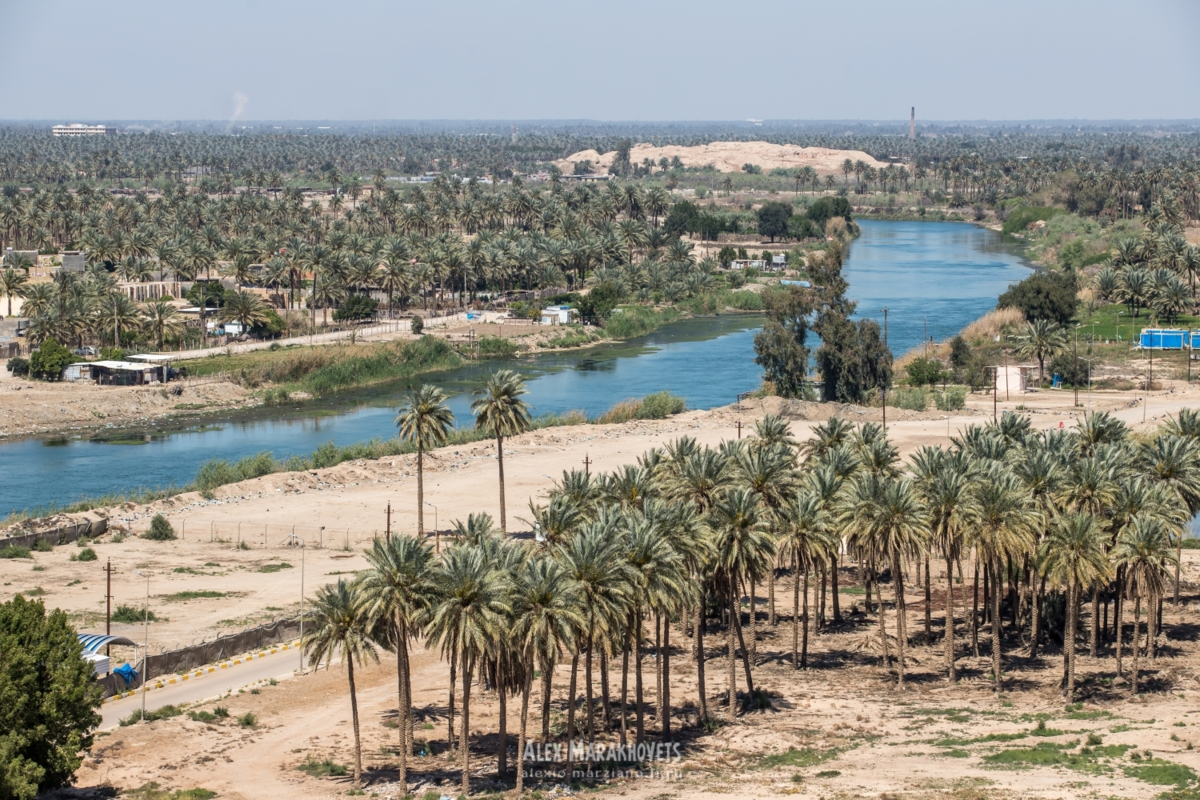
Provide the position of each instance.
(993, 323)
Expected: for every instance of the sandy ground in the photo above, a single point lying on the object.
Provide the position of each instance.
(857, 736)
(730, 156)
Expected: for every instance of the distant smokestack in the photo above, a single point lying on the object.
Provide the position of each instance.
(912, 124)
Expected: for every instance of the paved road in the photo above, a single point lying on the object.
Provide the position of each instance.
(281, 664)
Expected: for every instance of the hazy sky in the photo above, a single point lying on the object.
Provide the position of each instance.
(618, 60)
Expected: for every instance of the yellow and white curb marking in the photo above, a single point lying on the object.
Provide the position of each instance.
(202, 671)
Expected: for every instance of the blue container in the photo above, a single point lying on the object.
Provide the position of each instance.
(1163, 339)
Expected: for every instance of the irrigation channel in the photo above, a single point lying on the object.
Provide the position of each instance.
(936, 274)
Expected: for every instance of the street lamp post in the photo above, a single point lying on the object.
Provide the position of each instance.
(437, 532)
(146, 640)
(296, 539)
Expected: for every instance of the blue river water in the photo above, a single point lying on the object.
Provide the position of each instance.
(936, 274)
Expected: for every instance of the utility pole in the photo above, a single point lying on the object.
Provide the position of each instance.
(1149, 383)
(388, 530)
(108, 604)
(995, 393)
(146, 645)
(1075, 367)
(587, 465)
(739, 429)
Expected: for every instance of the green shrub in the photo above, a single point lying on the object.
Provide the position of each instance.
(132, 614)
(151, 791)
(247, 720)
(1021, 219)
(496, 347)
(321, 769)
(953, 399)
(924, 371)
(19, 367)
(15, 551)
(910, 399)
(49, 360)
(86, 554)
(166, 712)
(659, 405)
(160, 530)
(418, 325)
(42, 546)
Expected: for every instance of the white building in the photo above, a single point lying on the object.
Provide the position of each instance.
(556, 315)
(79, 129)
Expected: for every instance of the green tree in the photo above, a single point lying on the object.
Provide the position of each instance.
(245, 308)
(48, 700)
(340, 623)
(399, 589)
(1143, 553)
(773, 219)
(12, 284)
(1046, 296)
(49, 360)
(779, 347)
(924, 371)
(472, 611)
(425, 420)
(499, 410)
(161, 319)
(1073, 555)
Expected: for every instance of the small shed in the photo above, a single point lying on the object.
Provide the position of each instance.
(1162, 339)
(557, 315)
(93, 643)
(1013, 379)
(127, 373)
(79, 371)
(778, 262)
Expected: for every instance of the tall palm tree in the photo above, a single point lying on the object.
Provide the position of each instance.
(1003, 524)
(807, 541)
(1174, 462)
(245, 308)
(1041, 339)
(426, 420)
(471, 613)
(1073, 555)
(546, 616)
(119, 311)
(161, 319)
(742, 547)
(1143, 552)
(12, 284)
(888, 524)
(340, 622)
(500, 410)
(398, 590)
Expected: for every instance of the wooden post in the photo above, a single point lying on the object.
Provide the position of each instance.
(587, 465)
(108, 603)
(389, 521)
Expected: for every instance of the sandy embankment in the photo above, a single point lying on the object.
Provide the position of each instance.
(730, 156)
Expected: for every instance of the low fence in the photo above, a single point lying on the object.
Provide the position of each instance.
(174, 662)
(265, 535)
(63, 535)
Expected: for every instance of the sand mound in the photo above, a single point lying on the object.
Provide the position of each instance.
(730, 156)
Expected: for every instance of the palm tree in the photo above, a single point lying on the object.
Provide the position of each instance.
(1042, 339)
(1143, 552)
(1174, 462)
(161, 320)
(12, 284)
(471, 613)
(398, 589)
(1073, 555)
(426, 420)
(805, 539)
(546, 615)
(245, 308)
(742, 547)
(1002, 524)
(340, 622)
(888, 524)
(119, 311)
(501, 411)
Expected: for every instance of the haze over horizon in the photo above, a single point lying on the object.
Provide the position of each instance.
(262, 60)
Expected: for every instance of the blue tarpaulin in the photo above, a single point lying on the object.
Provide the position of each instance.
(127, 672)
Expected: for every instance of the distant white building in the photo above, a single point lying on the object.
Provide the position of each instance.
(747, 263)
(779, 261)
(556, 315)
(79, 129)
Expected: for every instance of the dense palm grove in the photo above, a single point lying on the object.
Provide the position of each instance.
(1038, 532)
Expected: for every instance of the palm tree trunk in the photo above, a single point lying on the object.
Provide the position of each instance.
(1069, 629)
(500, 458)
(928, 610)
(975, 614)
(1137, 651)
(404, 711)
(658, 674)
(664, 701)
(996, 622)
(464, 749)
(751, 619)
(638, 694)
(521, 739)
(901, 628)
(833, 590)
(796, 618)
(821, 601)
(737, 620)
(949, 635)
(420, 489)
(1035, 614)
(571, 703)
(699, 634)
(354, 721)
(625, 690)
(587, 693)
(547, 677)
(804, 621)
(1120, 615)
(450, 712)
(502, 733)
(1095, 627)
(732, 642)
(605, 704)
(771, 618)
